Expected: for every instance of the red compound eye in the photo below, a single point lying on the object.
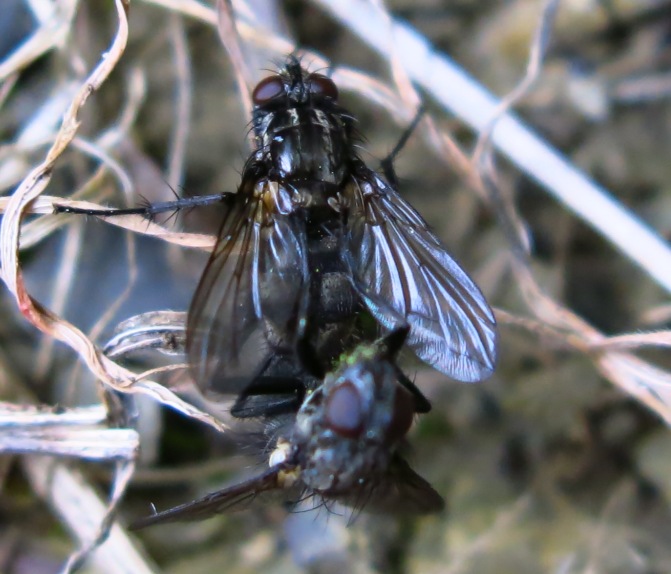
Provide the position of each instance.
(267, 89)
(403, 414)
(323, 86)
(344, 411)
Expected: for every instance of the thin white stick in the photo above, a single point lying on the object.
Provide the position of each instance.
(465, 97)
(82, 511)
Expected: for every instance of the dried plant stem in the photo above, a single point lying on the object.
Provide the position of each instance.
(80, 508)
(470, 101)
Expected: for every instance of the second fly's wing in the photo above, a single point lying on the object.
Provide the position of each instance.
(405, 492)
(399, 490)
(402, 264)
(253, 293)
(228, 499)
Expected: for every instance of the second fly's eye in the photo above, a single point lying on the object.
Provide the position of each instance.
(323, 86)
(344, 411)
(268, 89)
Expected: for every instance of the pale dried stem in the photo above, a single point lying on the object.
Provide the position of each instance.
(180, 133)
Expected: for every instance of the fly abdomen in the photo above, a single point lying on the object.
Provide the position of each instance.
(337, 299)
(333, 298)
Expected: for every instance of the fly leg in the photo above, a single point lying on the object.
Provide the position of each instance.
(422, 404)
(270, 396)
(390, 345)
(151, 209)
(387, 164)
(277, 388)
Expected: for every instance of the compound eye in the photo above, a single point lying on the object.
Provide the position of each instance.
(402, 416)
(344, 411)
(267, 89)
(323, 86)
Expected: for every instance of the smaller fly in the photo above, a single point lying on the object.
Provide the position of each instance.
(342, 445)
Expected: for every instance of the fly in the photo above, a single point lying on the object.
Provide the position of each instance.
(342, 445)
(317, 246)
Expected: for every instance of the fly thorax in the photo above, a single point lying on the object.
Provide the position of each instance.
(304, 142)
(342, 430)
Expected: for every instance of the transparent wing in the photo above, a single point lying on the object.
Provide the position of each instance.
(403, 491)
(234, 497)
(253, 292)
(400, 490)
(399, 263)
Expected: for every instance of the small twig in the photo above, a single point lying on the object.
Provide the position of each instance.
(464, 96)
(81, 509)
(230, 38)
(180, 133)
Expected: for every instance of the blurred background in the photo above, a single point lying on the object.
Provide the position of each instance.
(549, 466)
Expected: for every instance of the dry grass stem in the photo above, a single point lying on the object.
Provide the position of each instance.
(462, 95)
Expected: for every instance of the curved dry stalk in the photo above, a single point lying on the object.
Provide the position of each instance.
(98, 516)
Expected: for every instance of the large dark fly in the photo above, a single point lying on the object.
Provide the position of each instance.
(342, 445)
(317, 246)
(311, 236)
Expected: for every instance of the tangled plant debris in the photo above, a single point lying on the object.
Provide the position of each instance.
(113, 107)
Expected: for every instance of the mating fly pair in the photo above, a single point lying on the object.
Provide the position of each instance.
(325, 270)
